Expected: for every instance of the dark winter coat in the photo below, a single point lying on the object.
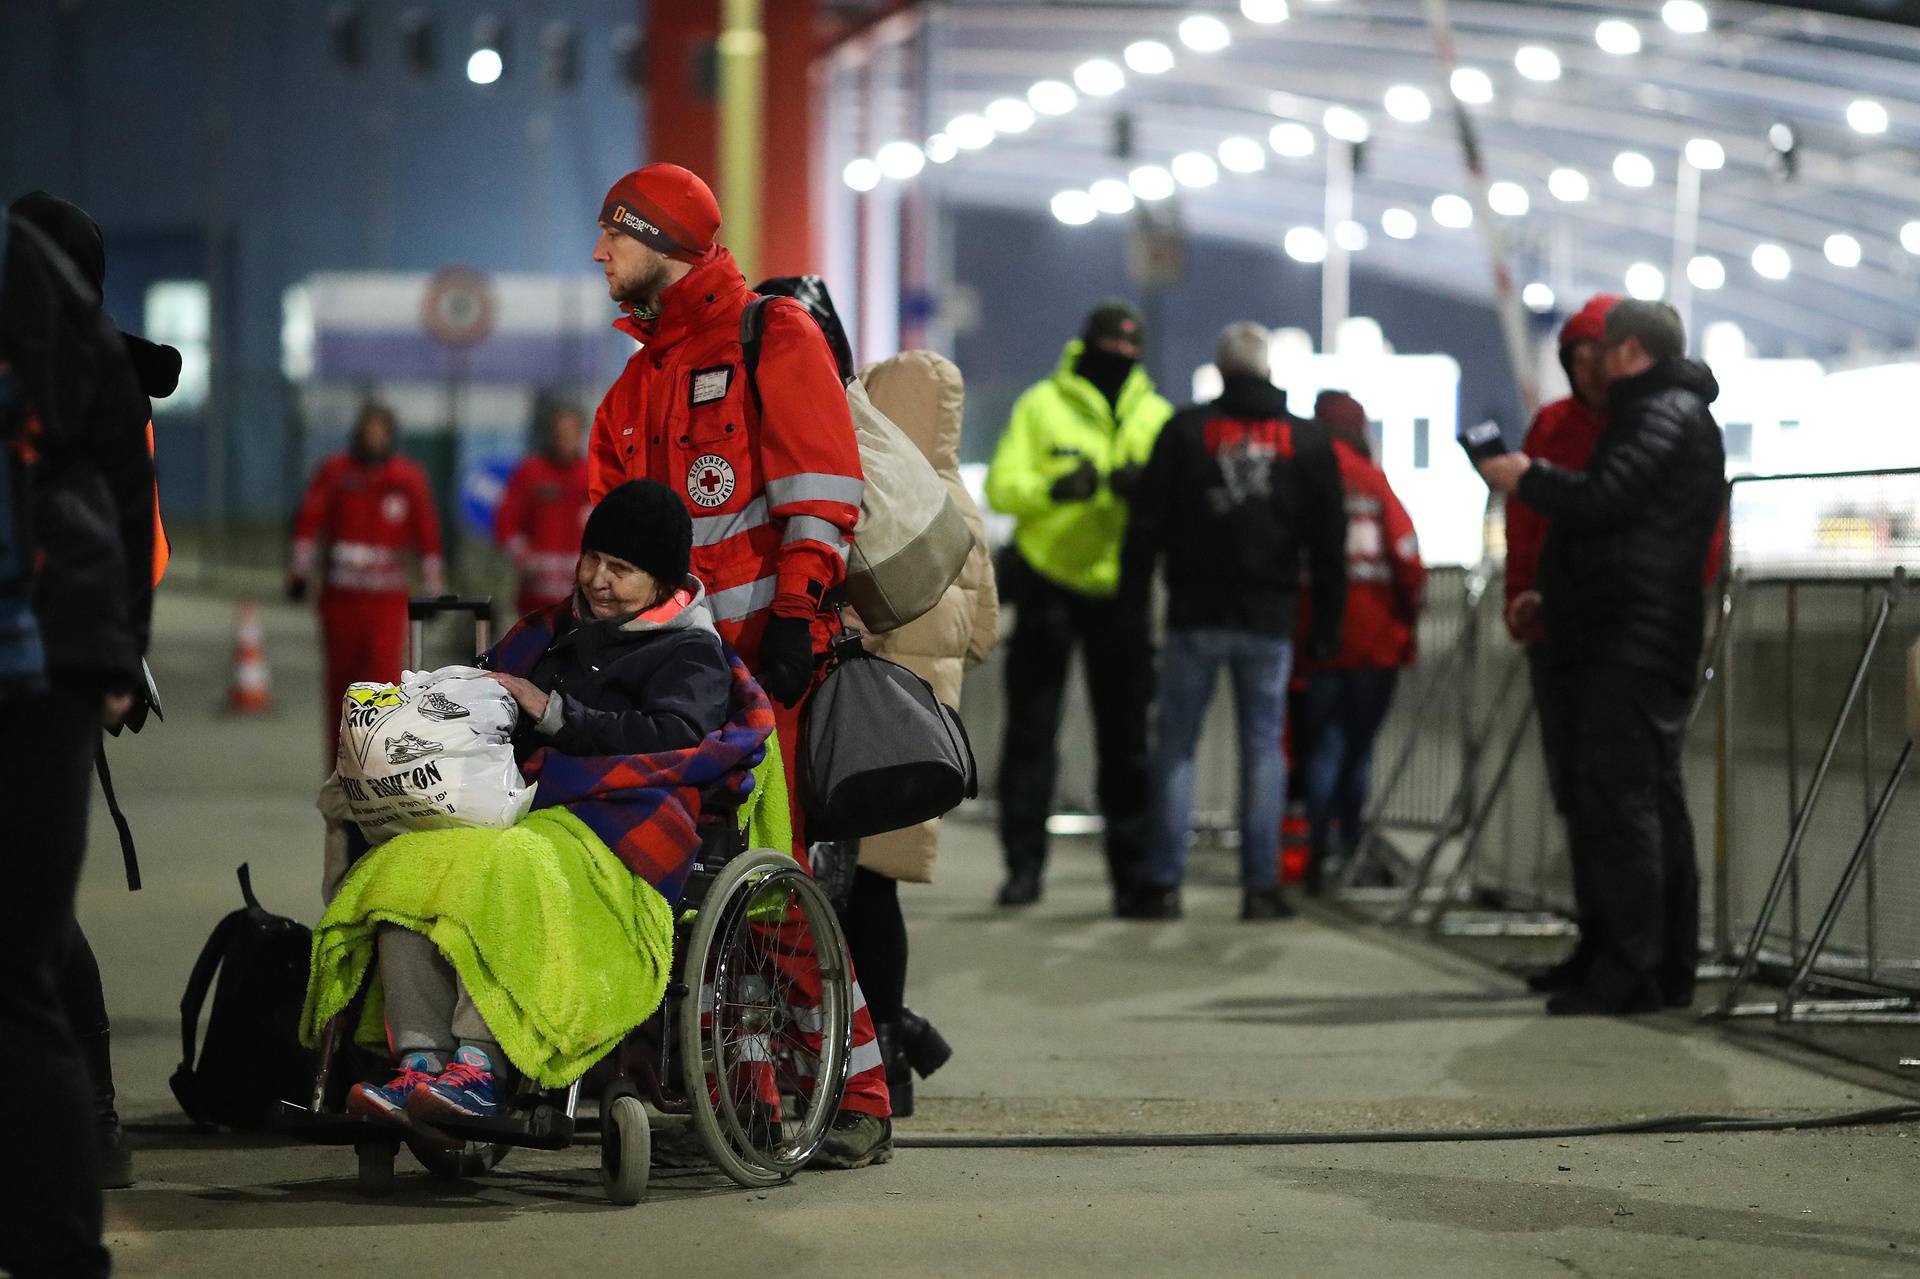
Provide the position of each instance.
(1238, 496)
(655, 682)
(91, 504)
(1620, 574)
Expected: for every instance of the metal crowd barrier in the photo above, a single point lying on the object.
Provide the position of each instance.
(1810, 846)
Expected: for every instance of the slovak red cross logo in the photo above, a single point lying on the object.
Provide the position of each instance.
(710, 480)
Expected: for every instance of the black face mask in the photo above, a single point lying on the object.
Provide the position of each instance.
(1107, 370)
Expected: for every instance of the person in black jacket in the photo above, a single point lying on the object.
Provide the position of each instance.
(1239, 496)
(80, 485)
(1620, 584)
(635, 667)
(79, 614)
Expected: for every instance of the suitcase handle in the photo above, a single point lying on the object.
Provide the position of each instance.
(421, 608)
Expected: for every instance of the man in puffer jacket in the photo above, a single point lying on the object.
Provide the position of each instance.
(922, 394)
(1620, 578)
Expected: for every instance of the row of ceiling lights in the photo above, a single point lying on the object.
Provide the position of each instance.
(1408, 104)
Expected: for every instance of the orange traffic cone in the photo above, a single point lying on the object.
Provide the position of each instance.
(249, 695)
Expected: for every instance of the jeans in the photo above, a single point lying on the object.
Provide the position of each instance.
(1049, 622)
(1260, 665)
(1344, 711)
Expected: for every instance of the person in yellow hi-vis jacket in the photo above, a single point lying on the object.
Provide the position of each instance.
(1071, 453)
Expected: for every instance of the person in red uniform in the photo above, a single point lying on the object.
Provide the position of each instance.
(770, 473)
(544, 512)
(368, 508)
(1348, 696)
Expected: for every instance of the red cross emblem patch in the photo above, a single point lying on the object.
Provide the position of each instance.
(710, 480)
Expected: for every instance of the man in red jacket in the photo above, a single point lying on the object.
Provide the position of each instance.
(369, 508)
(544, 512)
(1348, 696)
(1563, 433)
(770, 472)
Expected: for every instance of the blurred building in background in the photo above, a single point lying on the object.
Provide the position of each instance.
(318, 198)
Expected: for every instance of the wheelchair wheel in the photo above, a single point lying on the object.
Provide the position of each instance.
(375, 1172)
(626, 1146)
(767, 1023)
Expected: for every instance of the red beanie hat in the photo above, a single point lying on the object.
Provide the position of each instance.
(664, 207)
(1341, 411)
(1590, 323)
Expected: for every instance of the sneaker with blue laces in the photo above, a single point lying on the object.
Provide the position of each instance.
(389, 1101)
(465, 1090)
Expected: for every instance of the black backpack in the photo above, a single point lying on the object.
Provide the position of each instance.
(252, 1057)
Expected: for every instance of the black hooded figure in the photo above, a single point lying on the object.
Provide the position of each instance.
(83, 486)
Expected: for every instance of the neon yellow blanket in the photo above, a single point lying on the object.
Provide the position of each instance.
(562, 948)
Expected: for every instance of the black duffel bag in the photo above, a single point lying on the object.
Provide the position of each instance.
(882, 752)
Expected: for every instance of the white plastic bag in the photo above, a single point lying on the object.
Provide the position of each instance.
(429, 753)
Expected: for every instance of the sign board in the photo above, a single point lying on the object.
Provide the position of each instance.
(1156, 253)
(459, 308)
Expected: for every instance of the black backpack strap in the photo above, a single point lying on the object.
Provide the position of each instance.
(191, 1002)
(753, 326)
(246, 888)
(127, 854)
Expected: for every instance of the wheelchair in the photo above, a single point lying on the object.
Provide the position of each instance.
(750, 1043)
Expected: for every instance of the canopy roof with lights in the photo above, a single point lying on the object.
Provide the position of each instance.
(1797, 126)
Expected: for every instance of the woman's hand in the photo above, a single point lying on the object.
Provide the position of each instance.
(531, 699)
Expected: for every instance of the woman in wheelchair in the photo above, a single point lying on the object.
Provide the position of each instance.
(634, 668)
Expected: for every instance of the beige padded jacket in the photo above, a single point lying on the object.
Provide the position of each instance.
(923, 393)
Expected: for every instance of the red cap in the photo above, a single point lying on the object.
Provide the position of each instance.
(1340, 411)
(664, 207)
(1589, 324)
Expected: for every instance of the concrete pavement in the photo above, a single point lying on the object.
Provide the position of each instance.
(1065, 1021)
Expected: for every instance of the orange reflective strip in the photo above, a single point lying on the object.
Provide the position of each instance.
(162, 552)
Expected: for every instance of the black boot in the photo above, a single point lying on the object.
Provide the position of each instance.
(893, 1051)
(927, 1049)
(116, 1160)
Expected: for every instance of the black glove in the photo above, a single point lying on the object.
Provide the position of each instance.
(1123, 480)
(786, 659)
(1077, 485)
(296, 589)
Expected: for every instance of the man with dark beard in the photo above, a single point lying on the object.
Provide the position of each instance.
(769, 468)
(1064, 469)
(368, 507)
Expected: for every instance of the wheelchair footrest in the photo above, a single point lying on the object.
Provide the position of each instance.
(325, 1129)
(543, 1128)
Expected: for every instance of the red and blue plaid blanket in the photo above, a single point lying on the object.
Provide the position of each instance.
(646, 808)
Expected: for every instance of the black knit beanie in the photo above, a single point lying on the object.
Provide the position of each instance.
(646, 524)
(1113, 320)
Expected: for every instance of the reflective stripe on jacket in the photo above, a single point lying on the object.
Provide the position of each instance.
(369, 516)
(539, 523)
(774, 488)
(1386, 579)
(1055, 424)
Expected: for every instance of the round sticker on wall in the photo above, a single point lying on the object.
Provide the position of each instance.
(710, 480)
